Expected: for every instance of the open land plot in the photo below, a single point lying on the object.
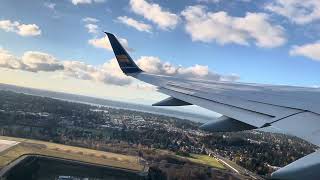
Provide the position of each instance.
(204, 160)
(27, 146)
(197, 158)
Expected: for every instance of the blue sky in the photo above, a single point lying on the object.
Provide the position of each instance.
(46, 44)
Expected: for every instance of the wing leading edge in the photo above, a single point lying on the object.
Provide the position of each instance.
(294, 110)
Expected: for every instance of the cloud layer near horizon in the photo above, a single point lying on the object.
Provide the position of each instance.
(30, 61)
(107, 73)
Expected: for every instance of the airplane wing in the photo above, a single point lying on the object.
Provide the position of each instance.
(294, 110)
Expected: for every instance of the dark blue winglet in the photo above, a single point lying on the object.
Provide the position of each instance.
(125, 62)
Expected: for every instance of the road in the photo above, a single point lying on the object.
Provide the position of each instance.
(237, 169)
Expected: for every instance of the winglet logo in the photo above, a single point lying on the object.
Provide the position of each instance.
(123, 58)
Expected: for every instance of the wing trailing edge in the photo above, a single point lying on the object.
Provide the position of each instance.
(304, 168)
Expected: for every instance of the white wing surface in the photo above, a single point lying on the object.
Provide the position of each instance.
(295, 110)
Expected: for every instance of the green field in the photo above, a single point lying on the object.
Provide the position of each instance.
(205, 160)
(27, 146)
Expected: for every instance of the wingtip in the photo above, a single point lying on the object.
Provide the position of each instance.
(108, 34)
(125, 62)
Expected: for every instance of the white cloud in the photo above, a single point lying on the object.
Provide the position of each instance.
(107, 73)
(76, 2)
(101, 43)
(9, 26)
(298, 11)
(29, 30)
(90, 20)
(154, 65)
(208, 1)
(217, 1)
(311, 51)
(140, 26)
(38, 61)
(105, 44)
(110, 73)
(91, 24)
(92, 28)
(50, 5)
(7, 60)
(220, 27)
(79, 70)
(30, 61)
(155, 13)
(21, 29)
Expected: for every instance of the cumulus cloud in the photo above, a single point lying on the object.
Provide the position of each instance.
(154, 65)
(105, 44)
(102, 42)
(90, 20)
(220, 27)
(299, 12)
(91, 25)
(138, 25)
(29, 30)
(30, 61)
(38, 61)
(79, 70)
(155, 13)
(311, 51)
(76, 2)
(217, 1)
(108, 73)
(7, 60)
(21, 29)
(209, 1)
(50, 5)
(92, 28)
(9, 26)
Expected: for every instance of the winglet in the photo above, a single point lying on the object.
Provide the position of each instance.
(125, 62)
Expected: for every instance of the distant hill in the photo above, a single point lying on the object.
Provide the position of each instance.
(105, 102)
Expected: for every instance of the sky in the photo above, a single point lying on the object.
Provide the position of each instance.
(59, 45)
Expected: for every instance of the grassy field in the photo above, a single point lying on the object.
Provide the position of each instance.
(205, 159)
(27, 146)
